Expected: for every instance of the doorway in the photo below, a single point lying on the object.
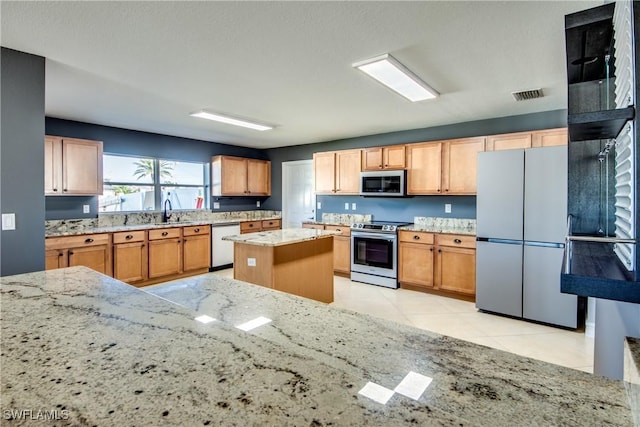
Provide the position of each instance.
(298, 198)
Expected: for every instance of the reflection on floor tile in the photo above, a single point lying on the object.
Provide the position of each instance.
(460, 319)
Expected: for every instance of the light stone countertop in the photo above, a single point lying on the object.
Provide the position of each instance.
(110, 354)
(117, 228)
(281, 237)
(438, 229)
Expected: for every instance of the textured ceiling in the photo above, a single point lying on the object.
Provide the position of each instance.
(147, 65)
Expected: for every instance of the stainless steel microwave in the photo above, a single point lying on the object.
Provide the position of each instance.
(383, 183)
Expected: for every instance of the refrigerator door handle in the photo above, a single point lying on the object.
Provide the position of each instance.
(544, 244)
(501, 241)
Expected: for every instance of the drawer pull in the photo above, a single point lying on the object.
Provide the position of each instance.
(89, 240)
(250, 225)
(165, 233)
(416, 237)
(337, 229)
(129, 237)
(197, 230)
(458, 241)
(439, 251)
(60, 253)
(430, 249)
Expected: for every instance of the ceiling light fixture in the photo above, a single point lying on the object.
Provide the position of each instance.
(391, 73)
(230, 120)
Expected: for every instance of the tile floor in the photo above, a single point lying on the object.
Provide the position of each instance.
(461, 319)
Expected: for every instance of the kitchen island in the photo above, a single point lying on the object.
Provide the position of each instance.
(95, 351)
(298, 261)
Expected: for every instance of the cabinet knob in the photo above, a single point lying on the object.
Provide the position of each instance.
(64, 189)
(446, 190)
(197, 230)
(250, 225)
(458, 241)
(89, 240)
(165, 233)
(430, 249)
(438, 190)
(55, 189)
(386, 166)
(178, 241)
(379, 166)
(416, 237)
(70, 252)
(60, 253)
(439, 251)
(142, 246)
(129, 237)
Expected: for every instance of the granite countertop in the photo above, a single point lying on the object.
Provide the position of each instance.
(116, 228)
(336, 223)
(100, 352)
(281, 237)
(438, 229)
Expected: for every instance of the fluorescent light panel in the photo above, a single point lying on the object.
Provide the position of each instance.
(230, 120)
(391, 73)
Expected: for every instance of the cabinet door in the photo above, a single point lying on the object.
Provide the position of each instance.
(424, 168)
(460, 165)
(372, 159)
(342, 254)
(234, 176)
(55, 258)
(416, 264)
(81, 167)
(271, 224)
(52, 165)
(95, 257)
(509, 141)
(348, 166)
(550, 137)
(130, 262)
(324, 168)
(196, 252)
(258, 177)
(456, 270)
(165, 257)
(394, 157)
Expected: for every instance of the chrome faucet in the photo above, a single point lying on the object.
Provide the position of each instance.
(165, 215)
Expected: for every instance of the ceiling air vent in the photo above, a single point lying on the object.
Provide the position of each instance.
(527, 94)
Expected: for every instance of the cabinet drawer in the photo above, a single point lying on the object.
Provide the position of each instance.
(76, 241)
(249, 226)
(315, 226)
(344, 229)
(416, 237)
(164, 233)
(196, 230)
(271, 223)
(128, 236)
(457, 241)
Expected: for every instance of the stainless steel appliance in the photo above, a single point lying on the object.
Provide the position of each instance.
(383, 183)
(222, 250)
(521, 226)
(374, 253)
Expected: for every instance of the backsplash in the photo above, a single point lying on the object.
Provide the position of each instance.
(451, 224)
(140, 218)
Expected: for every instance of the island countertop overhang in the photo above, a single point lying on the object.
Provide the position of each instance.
(286, 236)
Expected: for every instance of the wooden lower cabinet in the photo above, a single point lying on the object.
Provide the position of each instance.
(341, 247)
(264, 225)
(165, 252)
(440, 262)
(196, 251)
(93, 251)
(130, 256)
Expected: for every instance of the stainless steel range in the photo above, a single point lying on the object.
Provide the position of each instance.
(374, 253)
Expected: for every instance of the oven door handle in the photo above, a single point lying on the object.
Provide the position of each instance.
(365, 235)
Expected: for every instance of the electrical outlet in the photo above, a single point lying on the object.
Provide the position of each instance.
(447, 208)
(346, 206)
(257, 203)
(353, 206)
(216, 205)
(251, 262)
(86, 209)
(9, 221)
(319, 205)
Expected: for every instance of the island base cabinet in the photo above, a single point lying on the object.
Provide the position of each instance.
(304, 269)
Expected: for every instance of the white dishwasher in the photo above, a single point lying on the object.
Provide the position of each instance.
(222, 250)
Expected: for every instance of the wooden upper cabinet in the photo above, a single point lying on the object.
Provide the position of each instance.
(509, 141)
(550, 137)
(424, 162)
(460, 165)
(384, 158)
(72, 166)
(238, 176)
(337, 172)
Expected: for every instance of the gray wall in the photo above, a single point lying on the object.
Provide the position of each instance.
(131, 142)
(387, 208)
(22, 161)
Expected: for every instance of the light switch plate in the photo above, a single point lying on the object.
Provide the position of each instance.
(216, 205)
(346, 206)
(251, 262)
(447, 208)
(86, 209)
(353, 206)
(9, 221)
(319, 205)
(257, 203)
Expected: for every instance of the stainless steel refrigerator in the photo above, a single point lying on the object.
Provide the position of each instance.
(521, 226)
